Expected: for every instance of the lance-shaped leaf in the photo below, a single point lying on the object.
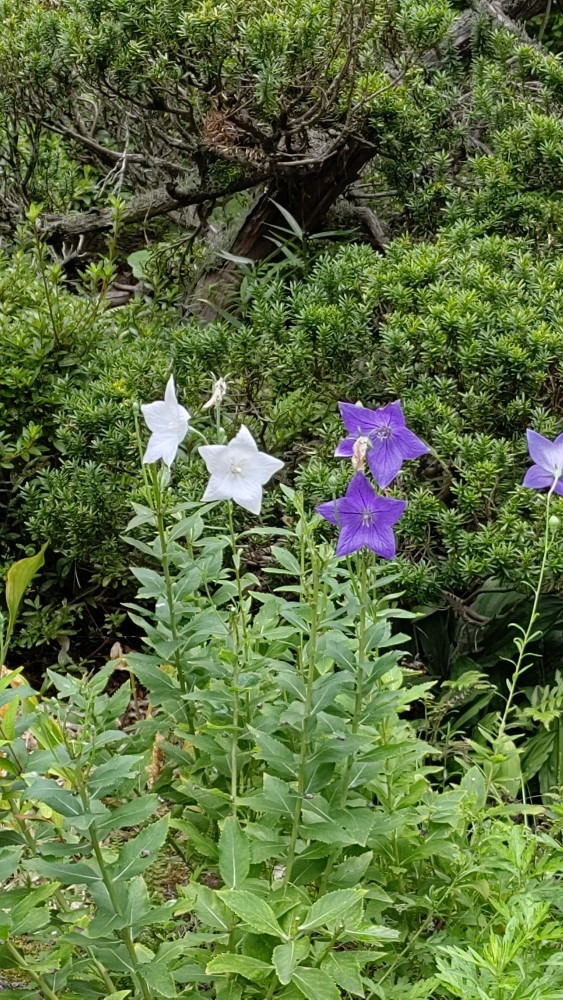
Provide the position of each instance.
(234, 854)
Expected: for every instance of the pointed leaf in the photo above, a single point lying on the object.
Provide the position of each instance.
(286, 958)
(140, 852)
(18, 579)
(253, 911)
(234, 854)
(241, 965)
(315, 984)
(330, 908)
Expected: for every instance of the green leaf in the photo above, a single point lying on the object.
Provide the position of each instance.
(159, 979)
(286, 958)
(344, 968)
(109, 775)
(253, 911)
(9, 861)
(241, 965)
(18, 579)
(139, 853)
(208, 907)
(131, 813)
(315, 984)
(291, 221)
(121, 995)
(351, 871)
(196, 839)
(57, 798)
(77, 873)
(330, 908)
(234, 854)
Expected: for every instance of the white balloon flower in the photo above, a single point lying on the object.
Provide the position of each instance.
(238, 471)
(168, 422)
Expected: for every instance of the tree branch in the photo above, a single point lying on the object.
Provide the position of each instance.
(143, 207)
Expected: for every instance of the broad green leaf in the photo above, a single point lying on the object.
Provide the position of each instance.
(159, 979)
(330, 909)
(142, 851)
(72, 873)
(109, 775)
(208, 907)
(286, 958)
(234, 854)
(9, 861)
(315, 984)
(197, 840)
(130, 814)
(57, 798)
(344, 968)
(241, 965)
(351, 871)
(18, 579)
(228, 989)
(253, 911)
(121, 995)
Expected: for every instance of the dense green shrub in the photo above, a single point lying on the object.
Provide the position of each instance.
(467, 331)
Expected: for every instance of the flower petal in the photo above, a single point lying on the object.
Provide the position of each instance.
(351, 539)
(411, 445)
(545, 453)
(247, 493)
(219, 487)
(359, 420)
(215, 457)
(385, 460)
(265, 466)
(170, 397)
(360, 494)
(537, 478)
(346, 448)
(329, 511)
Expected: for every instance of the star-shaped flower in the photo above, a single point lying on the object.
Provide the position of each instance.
(390, 440)
(548, 458)
(238, 471)
(365, 519)
(168, 422)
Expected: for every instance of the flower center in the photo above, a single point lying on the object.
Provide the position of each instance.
(367, 519)
(235, 469)
(382, 433)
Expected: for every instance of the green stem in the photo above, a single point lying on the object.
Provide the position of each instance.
(157, 495)
(306, 728)
(518, 666)
(236, 670)
(125, 934)
(358, 702)
(20, 961)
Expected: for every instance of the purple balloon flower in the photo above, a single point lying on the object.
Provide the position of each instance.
(365, 519)
(548, 458)
(390, 440)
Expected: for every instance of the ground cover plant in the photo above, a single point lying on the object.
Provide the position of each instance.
(320, 854)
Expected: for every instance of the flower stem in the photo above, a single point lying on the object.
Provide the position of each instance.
(237, 662)
(522, 644)
(21, 963)
(158, 510)
(307, 719)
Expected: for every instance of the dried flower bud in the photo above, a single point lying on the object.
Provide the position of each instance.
(218, 394)
(359, 453)
(116, 652)
(157, 760)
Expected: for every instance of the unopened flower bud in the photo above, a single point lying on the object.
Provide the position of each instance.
(359, 452)
(218, 394)
(553, 522)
